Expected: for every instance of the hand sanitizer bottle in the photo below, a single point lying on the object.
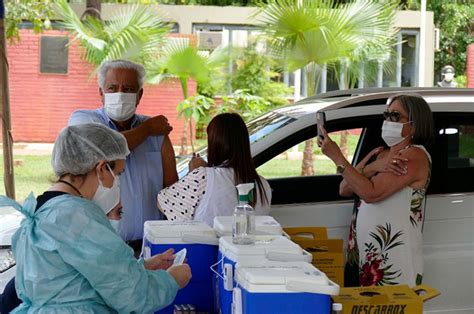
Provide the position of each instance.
(244, 217)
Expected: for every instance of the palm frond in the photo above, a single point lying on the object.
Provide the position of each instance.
(178, 58)
(365, 21)
(291, 24)
(135, 33)
(72, 23)
(317, 31)
(132, 32)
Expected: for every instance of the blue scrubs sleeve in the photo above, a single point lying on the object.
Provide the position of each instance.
(92, 247)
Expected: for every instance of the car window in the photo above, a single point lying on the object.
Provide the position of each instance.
(453, 154)
(266, 124)
(258, 129)
(460, 142)
(290, 162)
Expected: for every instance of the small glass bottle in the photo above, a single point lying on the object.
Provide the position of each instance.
(243, 231)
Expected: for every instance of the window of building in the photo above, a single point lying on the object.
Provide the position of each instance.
(396, 69)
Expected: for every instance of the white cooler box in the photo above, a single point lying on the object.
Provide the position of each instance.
(201, 243)
(275, 287)
(266, 248)
(264, 225)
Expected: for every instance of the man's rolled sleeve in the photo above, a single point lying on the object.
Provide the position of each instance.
(84, 116)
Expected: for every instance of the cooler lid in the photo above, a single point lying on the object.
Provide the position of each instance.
(264, 225)
(264, 244)
(284, 277)
(279, 273)
(165, 231)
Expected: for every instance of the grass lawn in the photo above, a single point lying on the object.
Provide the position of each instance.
(278, 168)
(466, 146)
(33, 174)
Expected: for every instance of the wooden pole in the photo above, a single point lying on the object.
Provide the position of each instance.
(8, 175)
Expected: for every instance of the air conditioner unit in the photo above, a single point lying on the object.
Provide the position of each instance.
(209, 40)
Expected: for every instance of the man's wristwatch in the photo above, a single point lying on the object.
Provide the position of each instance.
(340, 169)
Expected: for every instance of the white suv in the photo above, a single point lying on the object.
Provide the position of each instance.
(314, 200)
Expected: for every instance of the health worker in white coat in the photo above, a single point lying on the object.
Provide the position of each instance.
(69, 257)
(208, 190)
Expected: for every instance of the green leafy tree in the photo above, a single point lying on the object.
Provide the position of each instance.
(134, 33)
(255, 73)
(241, 101)
(196, 108)
(179, 59)
(38, 12)
(244, 102)
(310, 33)
(455, 19)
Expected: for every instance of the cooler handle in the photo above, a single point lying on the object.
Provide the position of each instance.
(289, 257)
(312, 233)
(212, 268)
(302, 286)
(430, 292)
(200, 239)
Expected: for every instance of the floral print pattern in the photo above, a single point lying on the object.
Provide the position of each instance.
(416, 210)
(377, 269)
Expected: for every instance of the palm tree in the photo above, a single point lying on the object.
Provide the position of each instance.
(362, 65)
(310, 33)
(179, 59)
(93, 8)
(133, 32)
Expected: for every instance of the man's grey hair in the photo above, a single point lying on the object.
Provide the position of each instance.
(120, 64)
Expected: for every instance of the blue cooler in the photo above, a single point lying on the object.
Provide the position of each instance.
(264, 225)
(201, 243)
(294, 287)
(266, 248)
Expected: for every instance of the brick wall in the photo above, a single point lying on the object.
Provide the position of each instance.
(41, 103)
(470, 66)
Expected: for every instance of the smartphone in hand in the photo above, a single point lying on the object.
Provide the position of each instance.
(320, 121)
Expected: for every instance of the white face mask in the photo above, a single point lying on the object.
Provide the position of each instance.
(448, 77)
(115, 224)
(107, 198)
(120, 106)
(392, 132)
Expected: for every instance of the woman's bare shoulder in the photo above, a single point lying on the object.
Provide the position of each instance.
(414, 153)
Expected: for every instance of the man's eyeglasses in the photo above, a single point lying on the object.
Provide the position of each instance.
(393, 116)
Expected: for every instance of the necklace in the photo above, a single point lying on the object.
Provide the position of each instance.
(72, 186)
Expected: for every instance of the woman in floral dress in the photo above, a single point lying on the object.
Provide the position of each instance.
(385, 241)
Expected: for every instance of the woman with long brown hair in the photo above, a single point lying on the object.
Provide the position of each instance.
(208, 190)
